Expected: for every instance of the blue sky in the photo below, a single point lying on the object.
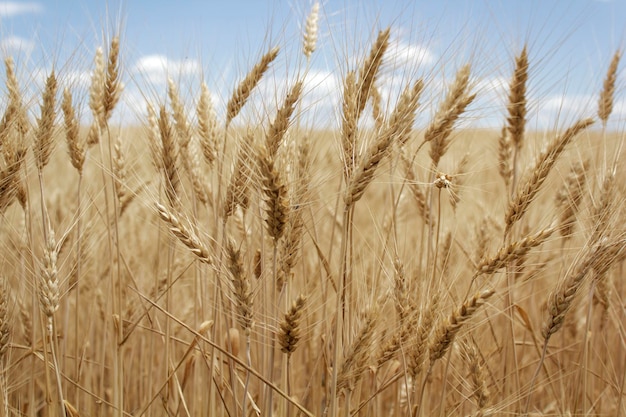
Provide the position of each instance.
(570, 43)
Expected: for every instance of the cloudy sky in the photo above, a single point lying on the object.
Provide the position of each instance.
(571, 43)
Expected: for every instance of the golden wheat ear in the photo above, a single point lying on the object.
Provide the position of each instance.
(244, 89)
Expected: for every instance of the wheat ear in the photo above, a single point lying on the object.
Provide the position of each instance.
(445, 333)
(289, 334)
(605, 103)
(601, 258)
(96, 98)
(74, 145)
(279, 126)
(169, 157)
(517, 100)
(397, 129)
(207, 125)
(184, 234)
(112, 85)
(44, 134)
(357, 355)
(528, 189)
(370, 69)
(512, 252)
(275, 196)
(244, 89)
(309, 41)
(449, 111)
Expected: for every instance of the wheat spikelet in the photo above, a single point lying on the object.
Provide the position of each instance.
(75, 147)
(605, 103)
(241, 287)
(517, 100)
(289, 334)
(600, 258)
(245, 87)
(207, 125)
(309, 41)
(44, 135)
(447, 330)
(280, 124)
(528, 189)
(184, 234)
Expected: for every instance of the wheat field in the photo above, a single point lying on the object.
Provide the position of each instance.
(207, 263)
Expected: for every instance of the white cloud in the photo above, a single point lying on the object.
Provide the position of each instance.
(13, 8)
(560, 110)
(409, 55)
(15, 44)
(157, 68)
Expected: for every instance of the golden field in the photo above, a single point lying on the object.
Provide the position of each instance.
(201, 265)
